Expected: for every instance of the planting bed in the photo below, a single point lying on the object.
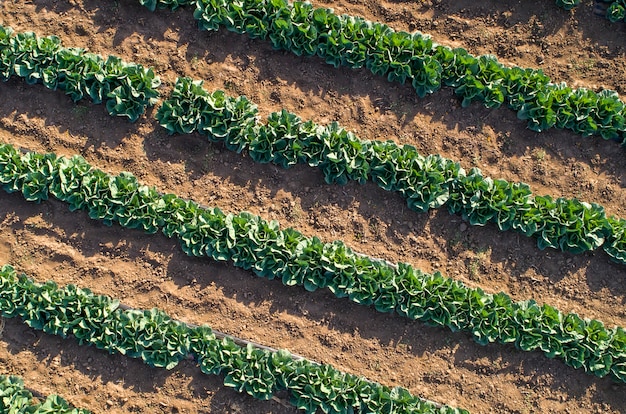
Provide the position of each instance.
(48, 242)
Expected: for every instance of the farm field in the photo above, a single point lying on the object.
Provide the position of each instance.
(48, 242)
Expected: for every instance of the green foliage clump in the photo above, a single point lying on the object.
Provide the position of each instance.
(162, 342)
(14, 398)
(126, 88)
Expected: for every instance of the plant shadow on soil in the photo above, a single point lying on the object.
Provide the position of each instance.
(83, 121)
(340, 316)
(546, 18)
(132, 375)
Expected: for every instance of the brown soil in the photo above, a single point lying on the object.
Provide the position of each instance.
(49, 242)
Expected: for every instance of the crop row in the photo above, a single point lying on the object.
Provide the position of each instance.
(126, 88)
(413, 57)
(251, 243)
(14, 398)
(425, 182)
(162, 342)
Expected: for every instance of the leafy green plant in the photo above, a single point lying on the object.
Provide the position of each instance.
(14, 398)
(567, 4)
(616, 12)
(126, 88)
(164, 4)
(162, 342)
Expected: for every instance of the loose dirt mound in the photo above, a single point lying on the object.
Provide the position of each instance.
(49, 242)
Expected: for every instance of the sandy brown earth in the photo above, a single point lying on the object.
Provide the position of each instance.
(49, 242)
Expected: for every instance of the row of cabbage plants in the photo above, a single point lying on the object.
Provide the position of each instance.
(163, 342)
(251, 243)
(126, 88)
(425, 182)
(343, 40)
(14, 398)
